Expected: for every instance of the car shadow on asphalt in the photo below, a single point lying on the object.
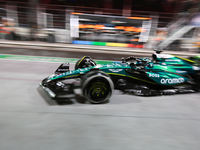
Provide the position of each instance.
(79, 99)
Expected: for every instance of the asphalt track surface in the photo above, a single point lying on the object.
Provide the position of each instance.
(30, 120)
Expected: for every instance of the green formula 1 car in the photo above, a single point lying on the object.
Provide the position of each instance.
(160, 75)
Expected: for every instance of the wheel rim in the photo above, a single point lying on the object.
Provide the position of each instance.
(98, 90)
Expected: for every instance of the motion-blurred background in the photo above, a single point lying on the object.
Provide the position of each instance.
(36, 36)
(163, 24)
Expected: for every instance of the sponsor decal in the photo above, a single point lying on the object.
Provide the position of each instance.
(133, 91)
(163, 56)
(115, 70)
(84, 69)
(122, 82)
(196, 68)
(65, 64)
(69, 72)
(63, 70)
(172, 81)
(60, 84)
(180, 71)
(98, 66)
(154, 75)
(117, 63)
(66, 87)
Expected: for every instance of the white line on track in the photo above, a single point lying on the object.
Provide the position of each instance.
(47, 57)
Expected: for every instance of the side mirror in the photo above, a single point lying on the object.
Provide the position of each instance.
(150, 65)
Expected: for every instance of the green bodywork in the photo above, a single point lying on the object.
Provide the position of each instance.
(170, 71)
(196, 60)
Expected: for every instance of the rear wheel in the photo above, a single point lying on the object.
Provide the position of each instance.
(97, 87)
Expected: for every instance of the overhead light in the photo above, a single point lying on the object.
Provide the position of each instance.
(109, 28)
(140, 18)
(76, 13)
(82, 19)
(116, 21)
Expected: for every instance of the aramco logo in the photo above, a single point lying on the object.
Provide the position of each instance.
(172, 81)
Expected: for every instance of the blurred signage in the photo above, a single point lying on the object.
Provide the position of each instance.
(145, 35)
(74, 26)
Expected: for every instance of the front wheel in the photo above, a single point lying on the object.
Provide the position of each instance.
(97, 87)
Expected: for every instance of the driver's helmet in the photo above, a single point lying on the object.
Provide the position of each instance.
(146, 59)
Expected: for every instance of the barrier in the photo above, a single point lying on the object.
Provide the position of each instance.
(107, 44)
(57, 16)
